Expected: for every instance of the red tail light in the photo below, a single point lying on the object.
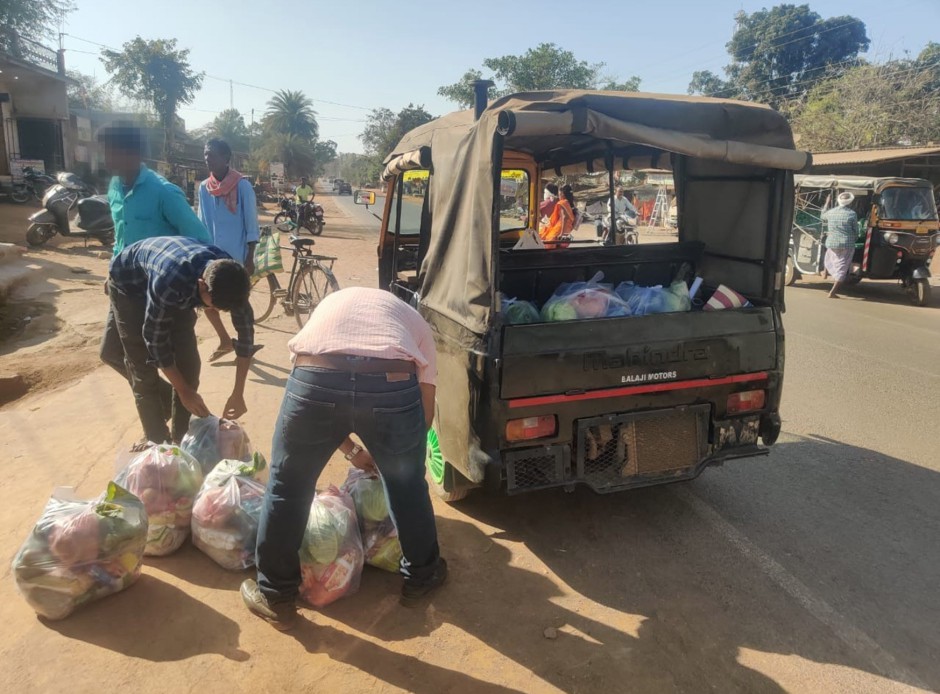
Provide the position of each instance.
(531, 428)
(748, 401)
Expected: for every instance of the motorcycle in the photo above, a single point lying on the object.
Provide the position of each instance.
(626, 233)
(36, 183)
(294, 215)
(92, 221)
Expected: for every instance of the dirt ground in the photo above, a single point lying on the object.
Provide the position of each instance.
(651, 591)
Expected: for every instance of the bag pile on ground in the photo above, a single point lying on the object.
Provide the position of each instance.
(227, 511)
(166, 479)
(211, 440)
(331, 554)
(80, 551)
(379, 534)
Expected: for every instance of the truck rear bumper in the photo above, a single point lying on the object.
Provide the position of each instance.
(618, 452)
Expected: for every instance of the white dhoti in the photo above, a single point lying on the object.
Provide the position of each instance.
(839, 262)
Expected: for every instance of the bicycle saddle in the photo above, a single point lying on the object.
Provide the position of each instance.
(300, 243)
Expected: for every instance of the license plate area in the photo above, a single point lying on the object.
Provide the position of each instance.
(616, 450)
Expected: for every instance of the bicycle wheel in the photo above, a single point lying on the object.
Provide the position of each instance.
(262, 296)
(312, 284)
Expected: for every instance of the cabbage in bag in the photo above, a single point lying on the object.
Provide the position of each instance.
(81, 551)
(379, 534)
(211, 440)
(583, 300)
(331, 555)
(166, 479)
(227, 511)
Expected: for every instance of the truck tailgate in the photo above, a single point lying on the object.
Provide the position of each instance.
(573, 356)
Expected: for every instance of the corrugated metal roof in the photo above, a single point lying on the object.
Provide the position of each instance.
(870, 156)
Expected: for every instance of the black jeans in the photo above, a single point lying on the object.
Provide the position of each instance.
(148, 388)
(320, 409)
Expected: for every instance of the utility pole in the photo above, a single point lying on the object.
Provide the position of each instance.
(231, 94)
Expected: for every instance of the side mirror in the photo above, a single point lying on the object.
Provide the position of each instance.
(365, 198)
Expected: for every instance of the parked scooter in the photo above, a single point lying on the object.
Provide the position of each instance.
(36, 183)
(93, 219)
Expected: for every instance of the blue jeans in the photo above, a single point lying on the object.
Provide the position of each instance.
(320, 409)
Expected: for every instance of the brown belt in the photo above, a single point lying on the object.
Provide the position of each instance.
(356, 365)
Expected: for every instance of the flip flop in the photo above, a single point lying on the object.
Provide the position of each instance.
(141, 445)
(219, 353)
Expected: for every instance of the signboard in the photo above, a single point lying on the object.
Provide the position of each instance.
(83, 125)
(276, 169)
(81, 153)
(17, 166)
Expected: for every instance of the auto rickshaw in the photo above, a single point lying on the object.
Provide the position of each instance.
(898, 229)
(610, 400)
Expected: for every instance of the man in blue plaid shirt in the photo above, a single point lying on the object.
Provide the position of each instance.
(841, 232)
(155, 285)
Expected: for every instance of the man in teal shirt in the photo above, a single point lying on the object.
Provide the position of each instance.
(143, 205)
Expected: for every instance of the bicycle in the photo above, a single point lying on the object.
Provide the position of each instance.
(311, 279)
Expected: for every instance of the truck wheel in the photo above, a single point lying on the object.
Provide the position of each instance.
(791, 273)
(441, 474)
(920, 292)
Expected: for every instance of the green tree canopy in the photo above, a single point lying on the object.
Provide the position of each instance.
(547, 66)
(156, 73)
(779, 54)
(230, 126)
(384, 128)
(31, 19)
(872, 106)
(291, 113)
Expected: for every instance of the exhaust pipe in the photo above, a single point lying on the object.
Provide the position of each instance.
(481, 90)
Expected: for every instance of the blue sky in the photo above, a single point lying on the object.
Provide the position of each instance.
(367, 54)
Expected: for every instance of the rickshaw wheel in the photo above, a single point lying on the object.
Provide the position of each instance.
(791, 274)
(920, 292)
(441, 473)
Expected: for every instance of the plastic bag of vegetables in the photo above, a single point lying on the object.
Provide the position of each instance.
(379, 534)
(210, 440)
(331, 554)
(80, 551)
(643, 301)
(226, 513)
(167, 480)
(518, 311)
(581, 300)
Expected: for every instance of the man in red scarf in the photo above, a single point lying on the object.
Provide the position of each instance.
(228, 209)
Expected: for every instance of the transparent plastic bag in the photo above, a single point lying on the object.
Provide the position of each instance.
(331, 555)
(226, 513)
(210, 440)
(80, 551)
(379, 534)
(644, 301)
(166, 479)
(519, 311)
(583, 300)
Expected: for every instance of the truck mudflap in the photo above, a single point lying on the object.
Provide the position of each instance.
(582, 356)
(616, 452)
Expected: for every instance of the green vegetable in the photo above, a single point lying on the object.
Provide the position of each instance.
(560, 310)
(521, 312)
(372, 505)
(324, 535)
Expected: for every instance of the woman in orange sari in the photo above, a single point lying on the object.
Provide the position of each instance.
(561, 223)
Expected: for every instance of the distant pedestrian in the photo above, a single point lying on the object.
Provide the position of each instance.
(842, 230)
(549, 200)
(228, 209)
(143, 205)
(365, 363)
(154, 285)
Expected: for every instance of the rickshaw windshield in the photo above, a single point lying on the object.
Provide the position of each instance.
(903, 203)
(513, 200)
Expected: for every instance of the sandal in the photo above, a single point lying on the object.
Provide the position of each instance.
(141, 445)
(220, 352)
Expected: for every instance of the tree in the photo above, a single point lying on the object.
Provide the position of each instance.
(324, 152)
(707, 83)
(384, 128)
(230, 126)
(86, 92)
(547, 66)
(779, 54)
(296, 153)
(156, 73)
(871, 106)
(291, 113)
(31, 19)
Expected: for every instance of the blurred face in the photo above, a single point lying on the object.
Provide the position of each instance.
(120, 161)
(620, 192)
(303, 182)
(215, 162)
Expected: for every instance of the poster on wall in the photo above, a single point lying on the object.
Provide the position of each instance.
(83, 125)
(17, 166)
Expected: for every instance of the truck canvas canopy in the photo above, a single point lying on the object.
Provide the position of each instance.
(728, 152)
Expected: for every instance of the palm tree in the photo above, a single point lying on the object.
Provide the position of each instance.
(291, 113)
(297, 154)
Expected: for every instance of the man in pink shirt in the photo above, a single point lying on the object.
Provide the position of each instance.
(365, 363)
